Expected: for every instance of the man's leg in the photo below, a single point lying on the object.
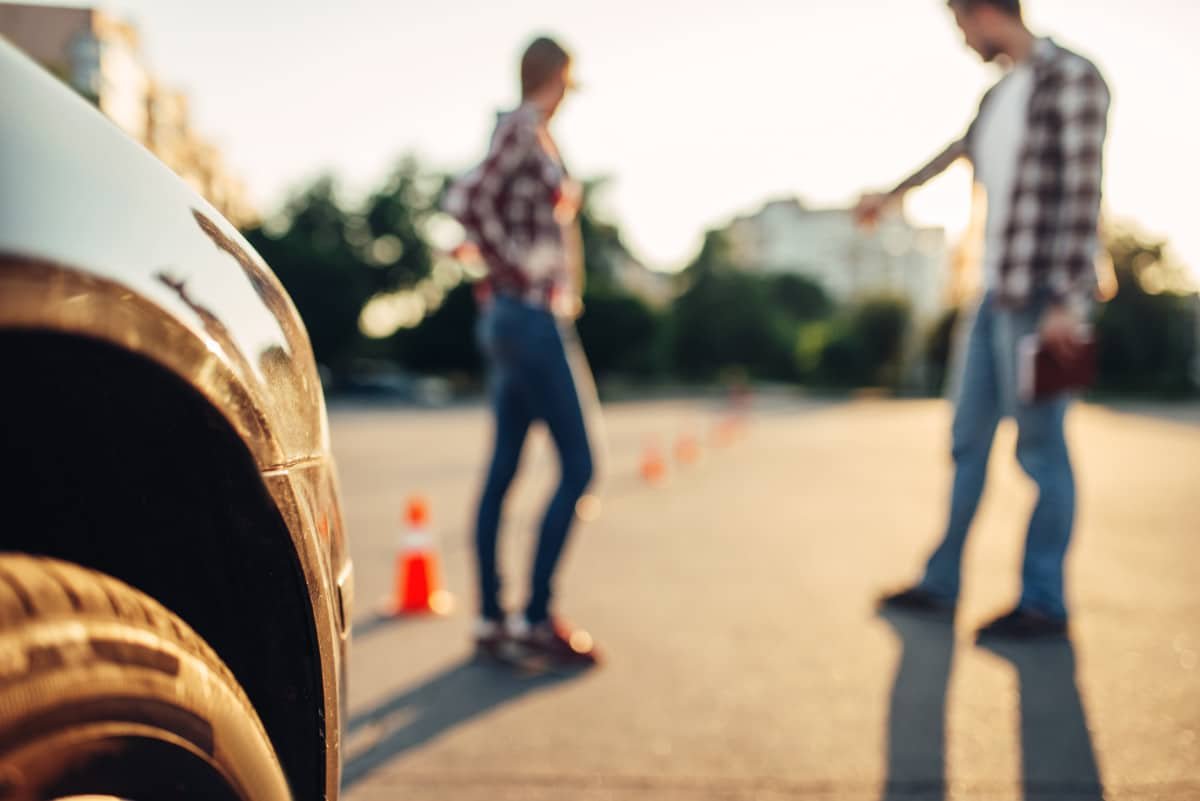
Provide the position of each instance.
(1042, 453)
(977, 412)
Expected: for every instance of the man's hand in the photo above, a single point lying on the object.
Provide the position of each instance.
(1061, 332)
(871, 207)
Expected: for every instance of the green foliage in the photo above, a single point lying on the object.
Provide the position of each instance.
(867, 346)
(601, 241)
(724, 320)
(728, 318)
(389, 235)
(1147, 333)
(800, 298)
(619, 333)
(333, 259)
(320, 270)
(939, 348)
(812, 339)
(445, 341)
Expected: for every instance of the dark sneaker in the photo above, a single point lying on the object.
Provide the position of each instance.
(919, 601)
(1023, 624)
(558, 644)
(492, 641)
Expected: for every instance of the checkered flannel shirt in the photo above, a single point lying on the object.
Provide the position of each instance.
(507, 206)
(1051, 240)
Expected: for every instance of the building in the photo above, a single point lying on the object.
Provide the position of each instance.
(896, 259)
(100, 57)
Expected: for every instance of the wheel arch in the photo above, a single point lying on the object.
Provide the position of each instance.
(114, 462)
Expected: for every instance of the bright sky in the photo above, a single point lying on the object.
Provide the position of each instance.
(699, 110)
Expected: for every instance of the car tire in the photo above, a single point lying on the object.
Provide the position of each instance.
(103, 691)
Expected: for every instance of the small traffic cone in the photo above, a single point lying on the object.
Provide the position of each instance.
(654, 467)
(725, 432)
(418, 583)
(687, 450)
(740, 398)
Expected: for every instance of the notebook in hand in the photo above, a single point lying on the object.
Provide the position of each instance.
(1041, 373)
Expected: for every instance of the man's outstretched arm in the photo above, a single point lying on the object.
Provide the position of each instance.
(871, 206)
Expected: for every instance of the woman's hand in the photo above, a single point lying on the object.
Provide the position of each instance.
(568, 306)
(569, 202)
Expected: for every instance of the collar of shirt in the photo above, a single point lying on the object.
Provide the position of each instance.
(1044, 51)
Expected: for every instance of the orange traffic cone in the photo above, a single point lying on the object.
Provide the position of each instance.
(418, 584)
(654, 467)
(725, 432)
(687, 450)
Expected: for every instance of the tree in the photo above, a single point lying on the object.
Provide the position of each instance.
(308, 250)
(868, 348)
(389, 234)
(601, 242)
(444, 342)
(726, 319)
(333, 261)
(800, 297)
(939, 349)
(1147, 332)
(618, 332)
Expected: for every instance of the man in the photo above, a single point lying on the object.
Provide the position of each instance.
(1036, 147)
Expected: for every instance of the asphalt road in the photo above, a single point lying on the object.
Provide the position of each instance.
(735, 604)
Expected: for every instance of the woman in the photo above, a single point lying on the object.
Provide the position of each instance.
(519, 208)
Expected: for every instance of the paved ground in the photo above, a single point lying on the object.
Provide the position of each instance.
(745, 659)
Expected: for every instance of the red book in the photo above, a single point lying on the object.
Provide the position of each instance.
(1042, 373)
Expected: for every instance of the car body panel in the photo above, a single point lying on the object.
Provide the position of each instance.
(77, 192)
(99, 239)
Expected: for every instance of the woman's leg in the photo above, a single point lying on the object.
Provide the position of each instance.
(560, 407)
(512, 415)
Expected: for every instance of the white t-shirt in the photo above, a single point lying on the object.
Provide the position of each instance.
(999, 137)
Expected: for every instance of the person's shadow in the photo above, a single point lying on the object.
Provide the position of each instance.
(460, 693)
(916, 742)
(1057, 757)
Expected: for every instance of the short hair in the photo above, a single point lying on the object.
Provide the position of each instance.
(1009, 7)
(543, 60)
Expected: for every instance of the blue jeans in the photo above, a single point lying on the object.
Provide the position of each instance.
(987, 393)
(530, 380)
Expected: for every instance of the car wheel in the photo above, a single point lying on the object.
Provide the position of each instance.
(103, 691)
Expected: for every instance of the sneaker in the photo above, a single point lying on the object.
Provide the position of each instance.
(557, 643)
(492, 640)
(920, 601)
(1023, 624)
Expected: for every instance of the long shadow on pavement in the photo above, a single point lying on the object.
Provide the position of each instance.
(1057, 757)
(457, 695)
(916, 757)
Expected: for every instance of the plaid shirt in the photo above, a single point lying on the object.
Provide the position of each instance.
(1051, 240)
(507, 205)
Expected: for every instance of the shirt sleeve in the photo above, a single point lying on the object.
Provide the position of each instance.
(953, 152)
(1082, 109)
(511, 144)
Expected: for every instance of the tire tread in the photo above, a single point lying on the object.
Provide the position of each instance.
(42, 589)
